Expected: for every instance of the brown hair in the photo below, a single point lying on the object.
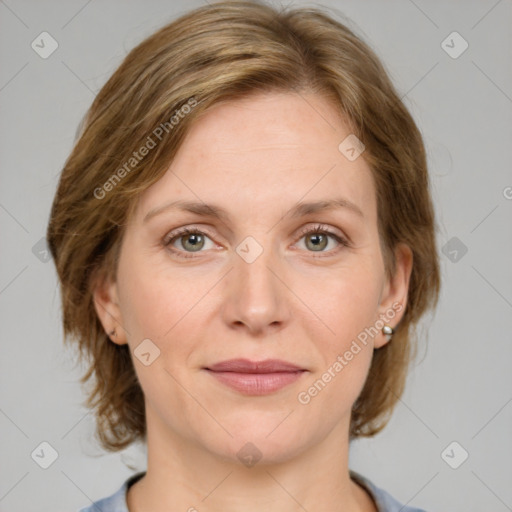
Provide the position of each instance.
(213, 54)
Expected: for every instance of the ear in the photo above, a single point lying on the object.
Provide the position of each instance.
(106, 304)
(394, 293)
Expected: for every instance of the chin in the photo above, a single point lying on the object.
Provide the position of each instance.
(259, 442)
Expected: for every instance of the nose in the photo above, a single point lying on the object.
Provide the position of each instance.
(255, 296)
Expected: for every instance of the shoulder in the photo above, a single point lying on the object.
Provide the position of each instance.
(117, 501)
(384, 501)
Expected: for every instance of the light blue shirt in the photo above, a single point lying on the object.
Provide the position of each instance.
(117, 502)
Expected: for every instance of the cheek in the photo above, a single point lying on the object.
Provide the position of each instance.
(347, 308)
(159, 305)
(345, 353)
(154, 299)
(346, 303)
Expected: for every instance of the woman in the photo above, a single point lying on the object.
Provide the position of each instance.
(245, 241)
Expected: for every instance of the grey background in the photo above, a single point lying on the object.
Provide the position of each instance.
(461, 387)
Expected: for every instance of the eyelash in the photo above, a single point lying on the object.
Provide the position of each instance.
(318, 229)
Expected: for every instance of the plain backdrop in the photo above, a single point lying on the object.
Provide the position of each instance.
(459, 390)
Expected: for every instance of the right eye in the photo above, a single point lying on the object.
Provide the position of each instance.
(190, 240)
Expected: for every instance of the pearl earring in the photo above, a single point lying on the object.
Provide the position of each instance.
(388, 331)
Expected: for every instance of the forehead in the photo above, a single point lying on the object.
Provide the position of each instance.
(262, 152)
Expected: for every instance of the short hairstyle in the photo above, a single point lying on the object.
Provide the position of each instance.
(214, 54)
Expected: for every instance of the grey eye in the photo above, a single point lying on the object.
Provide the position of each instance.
(318, 241)
(192, 241)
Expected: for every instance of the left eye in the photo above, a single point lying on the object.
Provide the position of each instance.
(317, 240)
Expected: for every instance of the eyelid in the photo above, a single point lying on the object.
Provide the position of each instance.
(324, 228)
(341, 239)
(183, 231)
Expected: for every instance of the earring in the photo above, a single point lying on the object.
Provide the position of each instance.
(112, 332)
(388, 331)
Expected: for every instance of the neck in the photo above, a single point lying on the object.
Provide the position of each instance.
(181, 475)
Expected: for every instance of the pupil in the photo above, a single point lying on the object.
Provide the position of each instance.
(318, 241)
(194, 241)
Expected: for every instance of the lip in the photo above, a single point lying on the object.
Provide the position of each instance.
(248, 366)
(256, 377)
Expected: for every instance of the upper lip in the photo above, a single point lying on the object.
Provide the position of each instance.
(248, 366)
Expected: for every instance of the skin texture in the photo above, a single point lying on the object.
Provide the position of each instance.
(257, 158)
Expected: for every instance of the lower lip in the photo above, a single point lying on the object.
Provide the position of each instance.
(257, 383)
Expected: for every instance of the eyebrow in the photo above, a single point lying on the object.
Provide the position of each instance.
(213, 211)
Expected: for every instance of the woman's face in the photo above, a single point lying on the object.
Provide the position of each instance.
(248, 282)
